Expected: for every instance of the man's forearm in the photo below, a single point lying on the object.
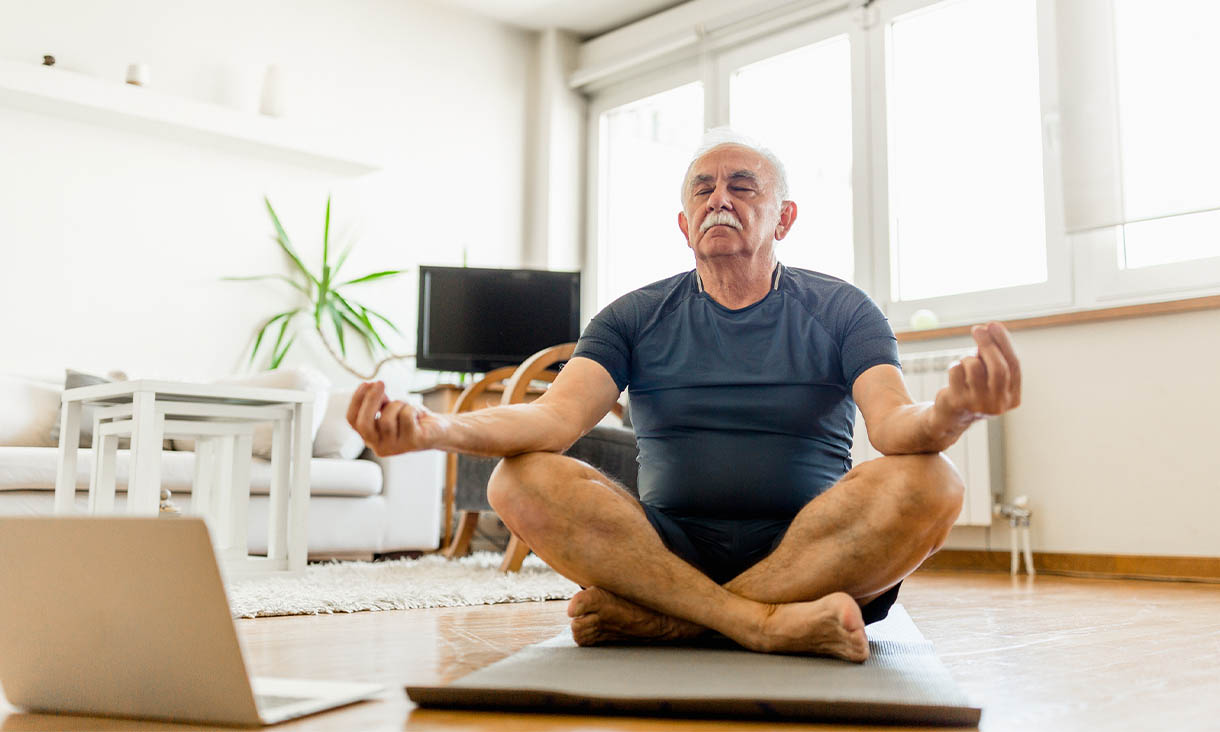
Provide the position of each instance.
(504, 431)
(920, 428)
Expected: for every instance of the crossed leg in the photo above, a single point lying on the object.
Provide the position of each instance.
(845, 548)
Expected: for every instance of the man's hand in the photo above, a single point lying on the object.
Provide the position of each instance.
(988, 383)
(390, 427)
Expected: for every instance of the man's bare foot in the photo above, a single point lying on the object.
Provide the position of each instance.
(829, 626)
(601, 617)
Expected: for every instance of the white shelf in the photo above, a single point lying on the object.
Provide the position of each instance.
(76, 96)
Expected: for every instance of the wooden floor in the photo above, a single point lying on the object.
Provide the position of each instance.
(1056, 653)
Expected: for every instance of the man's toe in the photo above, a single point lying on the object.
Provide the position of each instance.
(579, 604)
(585, 630)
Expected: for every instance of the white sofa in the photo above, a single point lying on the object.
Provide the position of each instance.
(357, 507)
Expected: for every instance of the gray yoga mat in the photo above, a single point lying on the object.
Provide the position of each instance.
(902, 682)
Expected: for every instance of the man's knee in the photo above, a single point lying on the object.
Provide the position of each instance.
(514, 478)
(521, 486)
(925, 485)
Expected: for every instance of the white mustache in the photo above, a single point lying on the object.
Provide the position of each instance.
(720, 217)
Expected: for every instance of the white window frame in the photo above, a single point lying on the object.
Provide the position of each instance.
(1103, 283)
(1083, 270)
(616, 96)
(1056, 292)
(1101, 280)
(801, 36)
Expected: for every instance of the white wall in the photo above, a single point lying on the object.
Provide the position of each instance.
(554, 216)
(1117, 439)
(113, 242)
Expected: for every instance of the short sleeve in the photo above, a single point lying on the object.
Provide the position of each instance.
(607, 341)
(866, 340)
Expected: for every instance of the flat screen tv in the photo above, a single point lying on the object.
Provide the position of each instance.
(475, 320)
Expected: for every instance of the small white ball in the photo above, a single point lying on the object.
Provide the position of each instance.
(924, 319)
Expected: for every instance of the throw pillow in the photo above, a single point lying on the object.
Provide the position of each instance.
(336, 438)
(30, 410)
(303, 379)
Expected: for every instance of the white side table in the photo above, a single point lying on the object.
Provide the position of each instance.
(221, 418)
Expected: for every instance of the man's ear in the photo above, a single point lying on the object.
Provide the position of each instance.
(684, 225)
(787, 217)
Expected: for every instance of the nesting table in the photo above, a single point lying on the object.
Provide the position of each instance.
(222, 420)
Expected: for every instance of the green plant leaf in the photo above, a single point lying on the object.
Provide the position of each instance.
(342, 258)
(296, 285)
(324, 288)
(364, 315)
(360, 322)
(376, 336)
(384, 319)
(370, 339)
(285, 243)
(374, 276)
(262, 331)
(360, 312)
(275, 362)
(337, 319)
(278, 340)
(323, 296)
(326, 237)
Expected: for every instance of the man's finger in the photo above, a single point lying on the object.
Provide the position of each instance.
(373, 399)
(976, 382)
(957, 381)
(387, 425)
(997, 370)
(353, 407)
(1003, 341)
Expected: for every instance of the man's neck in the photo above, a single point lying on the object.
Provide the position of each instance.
(737, 282)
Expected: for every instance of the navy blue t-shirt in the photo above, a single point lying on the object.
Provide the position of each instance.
(740, 413)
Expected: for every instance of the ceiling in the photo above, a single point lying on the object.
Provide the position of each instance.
(585, 18)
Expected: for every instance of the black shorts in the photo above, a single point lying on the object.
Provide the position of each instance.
(724, 548)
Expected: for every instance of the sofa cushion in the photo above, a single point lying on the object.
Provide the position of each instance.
(29, 410)
(335, 437)
(33, 468)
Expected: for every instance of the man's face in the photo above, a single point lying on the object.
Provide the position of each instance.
(729, 204)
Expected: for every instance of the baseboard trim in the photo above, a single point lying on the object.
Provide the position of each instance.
(1106, 566)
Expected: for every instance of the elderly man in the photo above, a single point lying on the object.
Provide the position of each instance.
(745, 375)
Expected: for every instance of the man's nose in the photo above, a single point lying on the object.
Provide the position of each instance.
(719, 199)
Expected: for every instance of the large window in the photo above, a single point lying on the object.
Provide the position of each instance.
(799, 104)
(978, 158)
(1167, 56)
(645, 147)
(965, 149)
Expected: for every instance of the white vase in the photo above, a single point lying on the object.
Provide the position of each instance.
(274, 99)
(241, 85)
(138, 74)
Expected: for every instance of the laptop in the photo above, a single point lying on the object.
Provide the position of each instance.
(127, 617)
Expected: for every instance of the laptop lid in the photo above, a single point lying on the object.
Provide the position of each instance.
(118, 617)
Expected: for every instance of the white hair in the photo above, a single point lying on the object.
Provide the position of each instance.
(720, 136)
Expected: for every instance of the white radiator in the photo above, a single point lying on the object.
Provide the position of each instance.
(978, 454)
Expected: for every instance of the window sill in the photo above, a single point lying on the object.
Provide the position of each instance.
(1209, 302)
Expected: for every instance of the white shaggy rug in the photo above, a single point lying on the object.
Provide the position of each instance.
(430, 581)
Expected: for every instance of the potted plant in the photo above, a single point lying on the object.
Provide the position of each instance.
(324, 305)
